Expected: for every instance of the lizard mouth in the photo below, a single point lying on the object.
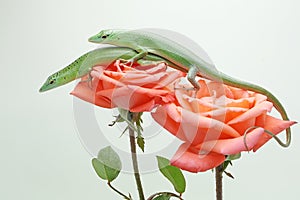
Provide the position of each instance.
(93, 39)
(45, 88)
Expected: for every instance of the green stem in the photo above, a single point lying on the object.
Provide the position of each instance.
(117, 191)
(219, 185)
(135, 164)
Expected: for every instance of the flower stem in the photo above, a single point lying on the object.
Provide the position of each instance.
(135, 164)
(117, 191)
(219, 177)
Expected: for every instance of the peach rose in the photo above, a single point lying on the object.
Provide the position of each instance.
(137, 88)
(213, 124)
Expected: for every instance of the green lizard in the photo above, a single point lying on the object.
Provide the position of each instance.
(83, 65)
(146, 42)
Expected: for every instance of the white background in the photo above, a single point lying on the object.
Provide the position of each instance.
(41, 154)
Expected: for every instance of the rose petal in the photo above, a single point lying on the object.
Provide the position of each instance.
(190, 160)
(254, 112)
(275, 126)
(235, 145)
(249, 118)
(82, 91)
(191, 127)
(240, 103)
(239, 93)
(259, 98)
(225, 114)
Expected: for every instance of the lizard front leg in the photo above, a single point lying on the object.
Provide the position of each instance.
(141, 54)
(191, 76)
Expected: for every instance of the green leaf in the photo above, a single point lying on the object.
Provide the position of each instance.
(141, 142)
(163, 197)
(172, 173)
(108, 164)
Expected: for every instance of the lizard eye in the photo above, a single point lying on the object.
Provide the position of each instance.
(104, 36)
(51, 82)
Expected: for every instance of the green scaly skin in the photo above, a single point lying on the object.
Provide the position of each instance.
(84, 64)
(184, 59)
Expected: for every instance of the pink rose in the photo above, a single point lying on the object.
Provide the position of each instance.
(137, 88)
(213, 124)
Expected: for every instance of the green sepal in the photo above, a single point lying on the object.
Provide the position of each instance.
(140, 138)
(233, 157)
(134, 121)
(172, 173)
(118, 119)
(227, 161)
(107, 164)
(163, 197)
(126, 115)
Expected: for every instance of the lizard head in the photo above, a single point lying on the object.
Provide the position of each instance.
(50, 83)
(105, 36)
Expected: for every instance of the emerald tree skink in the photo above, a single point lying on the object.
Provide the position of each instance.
(84, 64)
(146, 42)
